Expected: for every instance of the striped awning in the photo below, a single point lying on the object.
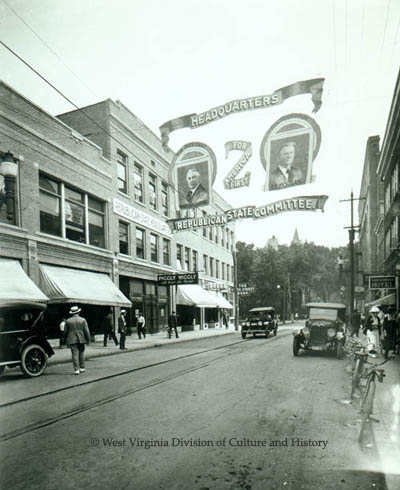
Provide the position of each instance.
(66, 285)
(15, 284)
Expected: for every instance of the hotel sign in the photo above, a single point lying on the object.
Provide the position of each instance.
(173, 279)
(382, 282)
(140, 217)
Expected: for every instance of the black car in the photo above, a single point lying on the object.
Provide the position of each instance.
(22, 339)
(260, 321)
(325, 329)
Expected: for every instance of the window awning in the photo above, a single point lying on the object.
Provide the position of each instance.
(66, 285)
(15, 284)
(223, 302)
(390, 299)
(195, 295)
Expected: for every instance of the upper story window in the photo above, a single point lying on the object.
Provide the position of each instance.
(223, 237)
(387, 197)
(153, 192)
(164, 199)
(122, 172)
(50, 206)
(153, 247)
(140, 243)
(179, 258)
(83, 214)
(194, 260)
(187, 259)
(139, 195)
(123, 238)
(205, 264)
(217, 269)
(223, 271)
(204, 227)
(211, 267)
(394, 182)
(96, 222)
(166, 252)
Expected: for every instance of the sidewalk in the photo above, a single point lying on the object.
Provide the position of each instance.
(132, 343)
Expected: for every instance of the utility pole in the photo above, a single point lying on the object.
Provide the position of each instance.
(235, 285)
(351, 253)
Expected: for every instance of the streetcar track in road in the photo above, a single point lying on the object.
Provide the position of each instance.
(123, 373)
(98, 403)
(91, 405)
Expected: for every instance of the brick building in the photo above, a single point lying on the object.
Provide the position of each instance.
(91, 207)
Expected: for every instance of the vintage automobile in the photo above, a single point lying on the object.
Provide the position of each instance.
(22, 340)
(260, 321)
(325, 329)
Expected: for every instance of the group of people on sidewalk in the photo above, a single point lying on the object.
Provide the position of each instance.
(382, 330)
(75, 333)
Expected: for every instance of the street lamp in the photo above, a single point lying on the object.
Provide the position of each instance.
(9, 170)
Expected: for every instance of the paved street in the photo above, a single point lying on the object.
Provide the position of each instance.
(213, 413)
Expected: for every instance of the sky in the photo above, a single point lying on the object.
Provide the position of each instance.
(164, 60)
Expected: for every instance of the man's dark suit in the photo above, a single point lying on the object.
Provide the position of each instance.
(279, 181)
(197, 198)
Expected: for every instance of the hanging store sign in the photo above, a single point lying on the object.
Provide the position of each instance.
(192, 121)
(129, 212)
(382, 282)
(302, 203)
(174, 279)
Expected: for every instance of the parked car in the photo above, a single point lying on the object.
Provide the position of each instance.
(260, 321)
(325, 329)
(22, 339)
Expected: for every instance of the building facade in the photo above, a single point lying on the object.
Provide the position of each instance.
(92, 195)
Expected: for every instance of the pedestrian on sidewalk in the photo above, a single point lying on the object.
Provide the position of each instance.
(371, 330)
(76, 335)
(172, 325)
(389, 334)
(108, 329)
(141, 326)
(62, 327)
(122, 329)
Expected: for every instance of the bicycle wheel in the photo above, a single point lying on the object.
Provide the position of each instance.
(355, 379)
(367, 405)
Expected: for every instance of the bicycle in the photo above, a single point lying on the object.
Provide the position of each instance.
(367, 401)
(358, 355)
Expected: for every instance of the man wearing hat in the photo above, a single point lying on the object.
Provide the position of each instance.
(76, 335)
(122, 329)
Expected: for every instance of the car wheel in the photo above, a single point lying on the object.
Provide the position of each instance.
(254, 335)
(2, 369)
(296, 346)
(33, 360)
(339, 350)
(275, 332)
(243, 335)
(266, 334)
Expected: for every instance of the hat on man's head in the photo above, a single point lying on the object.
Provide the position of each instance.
(74, 310)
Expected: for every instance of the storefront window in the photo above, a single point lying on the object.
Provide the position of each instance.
(140, 243)
(123, 238)
(50, 206)
(154, 247)
(139, 183)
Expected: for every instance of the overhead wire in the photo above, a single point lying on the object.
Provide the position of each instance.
(82, 111)
(48, 47)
